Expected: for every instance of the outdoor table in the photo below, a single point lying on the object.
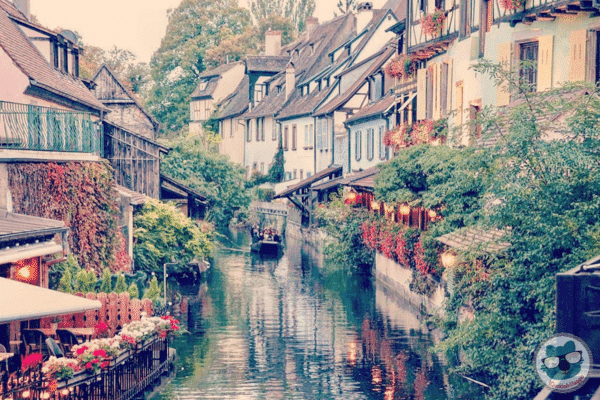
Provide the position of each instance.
(85, 333)
(5, 356)
(15, 345)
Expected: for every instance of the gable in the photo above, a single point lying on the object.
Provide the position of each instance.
(109, 88)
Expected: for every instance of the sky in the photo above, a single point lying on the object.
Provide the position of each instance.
(134, 25)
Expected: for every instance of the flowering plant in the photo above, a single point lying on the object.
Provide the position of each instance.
(432, 24)
(401, 66)
(60, 368)
(356, 199)
(30, 361)
(95, 354)
(168, 326)
(511, 4)
(398, 137)
(422, 131)
(141, 330)
(102, 330)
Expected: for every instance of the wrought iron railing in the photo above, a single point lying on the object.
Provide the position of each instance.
(130, 374)
(30, 127)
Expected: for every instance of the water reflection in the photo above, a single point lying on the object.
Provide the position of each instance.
(282, 329)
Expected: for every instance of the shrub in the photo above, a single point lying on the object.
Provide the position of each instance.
(106, 285)
(133, 291)
(121, 285)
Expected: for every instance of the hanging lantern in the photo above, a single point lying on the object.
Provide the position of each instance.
(432, 214)
(448, 259)
(351, 196)
(375, 205)
(404, 209)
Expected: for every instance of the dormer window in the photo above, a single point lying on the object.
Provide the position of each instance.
(202, 85)
(312, 48)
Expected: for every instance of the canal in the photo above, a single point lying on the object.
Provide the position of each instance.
(292, 328)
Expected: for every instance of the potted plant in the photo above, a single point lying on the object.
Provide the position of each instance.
(402, 66)
(511, 4)
(432, 24)
(54, 321)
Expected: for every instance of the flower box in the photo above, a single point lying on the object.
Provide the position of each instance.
(78, 377)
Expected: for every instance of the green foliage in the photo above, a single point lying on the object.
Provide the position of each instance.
(296, 11)
(66, 282)
(91, 281)
(134, 293)
(153, 291)
(195, 27)
(211, 174)
(121, 285)
(542, 184)
(80, 281)
(277, 170)
(343, 226)
(163, 234)
(106, 286)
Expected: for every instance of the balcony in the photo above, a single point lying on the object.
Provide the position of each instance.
(29, 132)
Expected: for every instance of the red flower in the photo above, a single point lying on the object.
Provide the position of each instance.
(162, 334)
(30, 361)
(88, 365)
(95, 361)
(104, 364)
(100, 353)
(81, 350)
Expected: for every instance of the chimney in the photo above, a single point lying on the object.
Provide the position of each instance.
(364, 16)
(311, 25)
(272, 43)
(290, 80)
(24, 7)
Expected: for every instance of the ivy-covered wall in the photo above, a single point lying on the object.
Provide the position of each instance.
(83, 196)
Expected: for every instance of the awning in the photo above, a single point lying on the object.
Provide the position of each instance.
(14, 254)
(334, 170)
(15, 227)
(467, 239)
(21, 301)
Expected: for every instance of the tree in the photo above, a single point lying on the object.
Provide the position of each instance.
(296, 11)
(66, 282)
(211, 174)
(153, 291)
(121, 285)
(91, 281)
(194, 27)
(346, 6)
(134, 293)
(277, 170)
(162, 234)
(106, 286)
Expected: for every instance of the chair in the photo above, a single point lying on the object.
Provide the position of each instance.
(35, 341)
(67, 339)
(5, 362)
(54, 348)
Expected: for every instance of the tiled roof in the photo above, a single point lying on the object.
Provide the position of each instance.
(220, 70)
(377, 60)
(271, 104)
(208, 90)
(33, 64)
(298, 105)
(350, 179)
(473, 238)
(18, 226)
(238, 104)
(12, 10)
(271, 64)
(326, 173)
(371, 28)
(373, 109)
(398, 7)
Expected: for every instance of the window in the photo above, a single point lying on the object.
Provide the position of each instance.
(597, 74)
(370, 143)
(258, 93)
(326, 134)
(274, 131)
(294, 137)
(231, 122)
(358, 145)
(465, 18)
(308, 174)
(248, 131)
(474, 128)
(311, 131)
(320, 134)
(295, 174)
(383, 150)
(207, 109)
(306, 143)
(423, 5)
(285, 138)
(221, 130)
(301, 174)
(258, 129)
(254, 167)
(528, 54)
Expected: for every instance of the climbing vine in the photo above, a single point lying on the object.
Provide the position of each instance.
(83, 196)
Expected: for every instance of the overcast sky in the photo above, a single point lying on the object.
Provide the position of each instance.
(135, 25)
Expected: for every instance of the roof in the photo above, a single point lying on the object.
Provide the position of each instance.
(33, 64)
(271, 64)
(21, 301)
(208, 90)
(332, 183)
(19, 227)
(179, 186)
(371, 28)
(373, 109)
(398, 7)
(125, 91)
(363, 179)
(377, 60)
(238, 103)
(220, 70)
(471, 238)
(332, 170)
(161, 147)
(136, 198)
(272, 103)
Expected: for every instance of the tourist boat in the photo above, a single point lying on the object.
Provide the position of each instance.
(270, 247)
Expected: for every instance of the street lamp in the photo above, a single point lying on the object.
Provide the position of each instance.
(165, 279)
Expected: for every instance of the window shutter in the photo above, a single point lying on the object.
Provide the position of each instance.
(544, 80)
(577, 53)
(458, 104)
(437, 91)
(504, 56)
(422, 93)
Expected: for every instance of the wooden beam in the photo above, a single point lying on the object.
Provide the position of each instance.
(545, 17)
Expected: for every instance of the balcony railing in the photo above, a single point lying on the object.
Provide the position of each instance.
(128, 375)
(30, 127)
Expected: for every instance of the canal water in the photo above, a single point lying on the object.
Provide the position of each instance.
(293, 328)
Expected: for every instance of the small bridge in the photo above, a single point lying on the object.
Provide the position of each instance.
(276, 209)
